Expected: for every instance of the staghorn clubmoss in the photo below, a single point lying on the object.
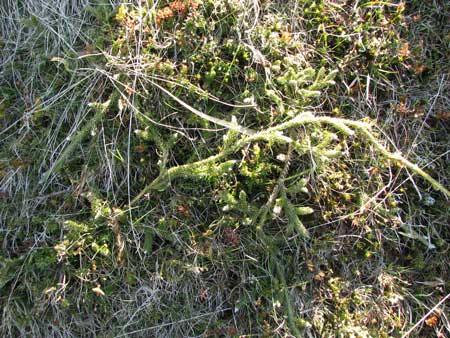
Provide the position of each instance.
(99, 111)
(272, 134)
(215, 248)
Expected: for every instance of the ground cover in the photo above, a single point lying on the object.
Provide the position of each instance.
(224, 168)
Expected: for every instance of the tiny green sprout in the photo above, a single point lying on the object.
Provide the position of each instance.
(119, 214)
(101, 249)
(303, 324)
(242, 196)
(332, 153)
(76, 226)
(298, 187)
(274, 97)
(121, 13)
(278, 26)
(210, 76)
(276, 68)
(278, 207)
(301, 211)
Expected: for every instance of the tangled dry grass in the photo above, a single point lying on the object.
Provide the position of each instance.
(224, 168)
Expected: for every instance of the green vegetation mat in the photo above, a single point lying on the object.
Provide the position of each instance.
(224, 168)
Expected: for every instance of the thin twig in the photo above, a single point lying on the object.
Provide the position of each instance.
(426, 316)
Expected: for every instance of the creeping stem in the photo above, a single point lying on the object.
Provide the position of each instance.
(274, 134)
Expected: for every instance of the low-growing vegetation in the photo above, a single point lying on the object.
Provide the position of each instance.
(225, 168)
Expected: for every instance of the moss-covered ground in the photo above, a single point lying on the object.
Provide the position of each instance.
(224, 168)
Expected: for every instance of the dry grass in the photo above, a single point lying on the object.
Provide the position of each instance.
(100, 100)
